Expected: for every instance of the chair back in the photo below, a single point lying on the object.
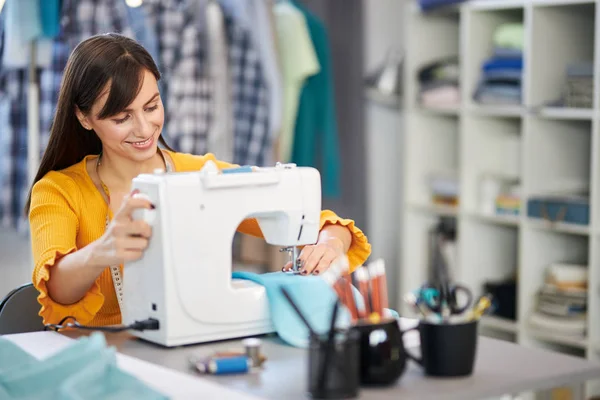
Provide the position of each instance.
(19, 311)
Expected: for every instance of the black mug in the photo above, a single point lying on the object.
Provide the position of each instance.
(382, 353)
(447, 350)
(333, 370)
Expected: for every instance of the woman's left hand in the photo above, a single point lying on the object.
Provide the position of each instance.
(316, 259)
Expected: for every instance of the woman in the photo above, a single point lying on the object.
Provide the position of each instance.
(106, 129)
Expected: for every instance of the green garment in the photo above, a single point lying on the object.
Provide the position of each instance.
(298, 62)
(316, 141)
(509, 36)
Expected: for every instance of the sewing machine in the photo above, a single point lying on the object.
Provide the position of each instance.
(184, 277)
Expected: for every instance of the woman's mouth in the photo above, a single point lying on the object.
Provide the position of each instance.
(142, 144)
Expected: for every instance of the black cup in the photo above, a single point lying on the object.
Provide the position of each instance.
(382, 354)
(447, 350)
(333, 370)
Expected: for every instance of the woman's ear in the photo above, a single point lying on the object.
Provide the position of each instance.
(83, 120)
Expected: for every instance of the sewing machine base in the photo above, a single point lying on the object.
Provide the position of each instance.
(207, 337)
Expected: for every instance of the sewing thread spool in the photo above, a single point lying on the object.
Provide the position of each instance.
(252, 346)
(228, 365)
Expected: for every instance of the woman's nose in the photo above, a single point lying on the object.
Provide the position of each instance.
(144, 126)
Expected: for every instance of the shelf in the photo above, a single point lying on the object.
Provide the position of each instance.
(562, 34)
(560, 227)
(454, 110)
(436, 209)
(495, 4)
(497, 111)
(560, 2)
(508, 220)
(499, 323)
(567, 113)
(580, 343)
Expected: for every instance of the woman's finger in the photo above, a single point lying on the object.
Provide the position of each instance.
(314, 258)
(325, 262)
(287, 267)
(304, 255)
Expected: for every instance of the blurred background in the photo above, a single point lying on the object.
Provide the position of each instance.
(476, 122)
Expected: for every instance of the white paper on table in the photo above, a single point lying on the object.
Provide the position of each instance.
(171, 383)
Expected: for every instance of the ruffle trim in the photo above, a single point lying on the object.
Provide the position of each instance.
(360, 248)
(52, 312)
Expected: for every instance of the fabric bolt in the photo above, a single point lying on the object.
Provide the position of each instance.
(316, 142)
(50, 17)
(298, 62)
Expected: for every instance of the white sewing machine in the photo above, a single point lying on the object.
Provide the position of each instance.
(184, 277)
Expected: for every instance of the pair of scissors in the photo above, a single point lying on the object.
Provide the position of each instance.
(444, 299)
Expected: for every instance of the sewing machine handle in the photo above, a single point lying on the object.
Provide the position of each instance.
(143, 213)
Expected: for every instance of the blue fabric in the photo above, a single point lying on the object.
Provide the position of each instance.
(86, 369)
(503, 63)
(316, 142)
(50, 16)
(314, 297)
(428, 5)
(505, 52)
(143, 32)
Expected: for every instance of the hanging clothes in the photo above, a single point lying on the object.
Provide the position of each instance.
(23, 24)
(262, 19)
(298, 62)
(250, 97)
(79, 19)
(316, 142)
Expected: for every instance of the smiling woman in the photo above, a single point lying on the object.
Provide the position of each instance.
(106, 131)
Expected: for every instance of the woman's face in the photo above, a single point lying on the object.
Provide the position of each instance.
(133, 133)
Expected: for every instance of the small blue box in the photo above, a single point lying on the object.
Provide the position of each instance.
(568, 209)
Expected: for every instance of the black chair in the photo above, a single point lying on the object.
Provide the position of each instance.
(19, 311)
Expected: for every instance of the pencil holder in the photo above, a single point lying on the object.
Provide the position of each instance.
(333, 367)
(447, 350)
(382, 353)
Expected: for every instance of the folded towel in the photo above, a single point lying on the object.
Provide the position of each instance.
(498, 94)
(442, 69)
(444, 96)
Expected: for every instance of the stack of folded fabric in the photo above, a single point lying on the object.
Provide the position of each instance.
(444, 188)
(501, 78)
(430, 5)
(439, 83)
(85, 370)
(579, 86)
(562, 302)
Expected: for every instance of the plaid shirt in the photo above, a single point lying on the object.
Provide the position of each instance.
(80, 19)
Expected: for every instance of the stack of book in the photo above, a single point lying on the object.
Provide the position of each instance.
(561, 305)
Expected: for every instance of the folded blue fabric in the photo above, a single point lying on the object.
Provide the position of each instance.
(86, 369)
(502, 63)
(314, 297)
(429, 5)
(507, 52)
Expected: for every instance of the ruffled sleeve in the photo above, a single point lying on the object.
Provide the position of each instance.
(360, 248)
(54, 224)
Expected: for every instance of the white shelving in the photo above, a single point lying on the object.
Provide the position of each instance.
(542, 146)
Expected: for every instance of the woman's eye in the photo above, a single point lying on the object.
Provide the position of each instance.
(121, 120)
(150, 109)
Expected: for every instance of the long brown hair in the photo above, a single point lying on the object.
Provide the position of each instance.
(92, 64)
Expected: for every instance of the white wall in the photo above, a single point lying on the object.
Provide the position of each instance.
(384, 132)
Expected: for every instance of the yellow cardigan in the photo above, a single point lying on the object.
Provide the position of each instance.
(68, 213)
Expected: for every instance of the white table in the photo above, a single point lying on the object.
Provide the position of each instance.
(501, 368)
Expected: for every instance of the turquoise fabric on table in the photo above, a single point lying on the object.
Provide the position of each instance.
(314, 297)
(87, 369)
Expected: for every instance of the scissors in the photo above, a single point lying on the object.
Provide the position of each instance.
(443, 299)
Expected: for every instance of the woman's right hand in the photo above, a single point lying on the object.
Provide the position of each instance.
(125, 239)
